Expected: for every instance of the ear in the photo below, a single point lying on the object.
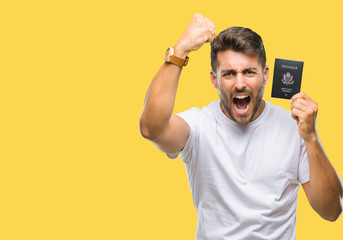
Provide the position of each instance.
(213, 79)
(266, 73)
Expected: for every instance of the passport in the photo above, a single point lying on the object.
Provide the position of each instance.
(287, 78)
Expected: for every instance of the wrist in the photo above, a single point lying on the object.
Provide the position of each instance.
(179, 51)
(312, 138)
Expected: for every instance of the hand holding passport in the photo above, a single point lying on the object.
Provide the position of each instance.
(287, 78)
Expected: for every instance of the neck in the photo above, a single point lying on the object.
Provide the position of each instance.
(259, 110)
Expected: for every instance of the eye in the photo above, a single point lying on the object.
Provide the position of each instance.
(228, 74)
(250, 73)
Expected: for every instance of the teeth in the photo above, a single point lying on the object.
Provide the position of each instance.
(241, 97)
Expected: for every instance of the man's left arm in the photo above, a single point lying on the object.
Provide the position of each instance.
(324, 191)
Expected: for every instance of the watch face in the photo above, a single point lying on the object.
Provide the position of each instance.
(168, 54)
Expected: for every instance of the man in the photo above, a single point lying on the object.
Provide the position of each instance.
(244, 157)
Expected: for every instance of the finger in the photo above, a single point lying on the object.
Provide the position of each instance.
(210, 39)
(300, 95)
(211, 27)
(297, 114)
(209, 22)
(295, 97)
(213, 31)
(198, 15)
(300, 102)
(295, 117)
(300, 106)
(308, 106)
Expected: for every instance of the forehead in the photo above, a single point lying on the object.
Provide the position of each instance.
(230, 59)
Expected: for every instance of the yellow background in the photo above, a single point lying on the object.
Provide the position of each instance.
(73, 80)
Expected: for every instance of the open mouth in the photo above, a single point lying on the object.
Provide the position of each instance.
(241, 102)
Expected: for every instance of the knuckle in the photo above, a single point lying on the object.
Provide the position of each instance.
(295, 105)
(316, 106)
(198, 16)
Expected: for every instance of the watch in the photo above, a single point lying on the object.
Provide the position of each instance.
(171, 58)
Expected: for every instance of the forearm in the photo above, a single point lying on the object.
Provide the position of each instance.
(159, 101)
(325, 186)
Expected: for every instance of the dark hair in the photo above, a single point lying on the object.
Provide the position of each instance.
(238, 39)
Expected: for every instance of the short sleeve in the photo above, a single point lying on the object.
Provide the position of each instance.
(191, 117)
(304, 169)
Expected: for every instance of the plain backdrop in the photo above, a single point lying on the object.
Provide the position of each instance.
(73, 77)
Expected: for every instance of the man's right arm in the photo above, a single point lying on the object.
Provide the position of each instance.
(157, 123)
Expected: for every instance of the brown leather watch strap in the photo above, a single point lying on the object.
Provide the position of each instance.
(179, 61)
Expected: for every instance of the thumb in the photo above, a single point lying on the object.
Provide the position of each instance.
(295, 117)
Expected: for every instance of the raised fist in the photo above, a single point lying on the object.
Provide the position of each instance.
(200, 30)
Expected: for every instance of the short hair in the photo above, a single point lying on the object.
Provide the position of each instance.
(238, 39)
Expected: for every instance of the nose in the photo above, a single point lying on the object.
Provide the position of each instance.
(240, 82)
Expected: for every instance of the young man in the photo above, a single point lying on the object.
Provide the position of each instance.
(244, 157)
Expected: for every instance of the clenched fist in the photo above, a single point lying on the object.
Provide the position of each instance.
(304, 111)
(200, 30)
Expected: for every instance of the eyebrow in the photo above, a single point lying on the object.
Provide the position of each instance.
(234, 71)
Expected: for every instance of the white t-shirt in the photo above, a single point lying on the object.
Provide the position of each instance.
(244, 179)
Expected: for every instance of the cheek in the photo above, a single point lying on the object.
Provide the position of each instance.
(226, 87)
(255, 85)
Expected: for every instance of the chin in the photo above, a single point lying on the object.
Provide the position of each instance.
(242, 119)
